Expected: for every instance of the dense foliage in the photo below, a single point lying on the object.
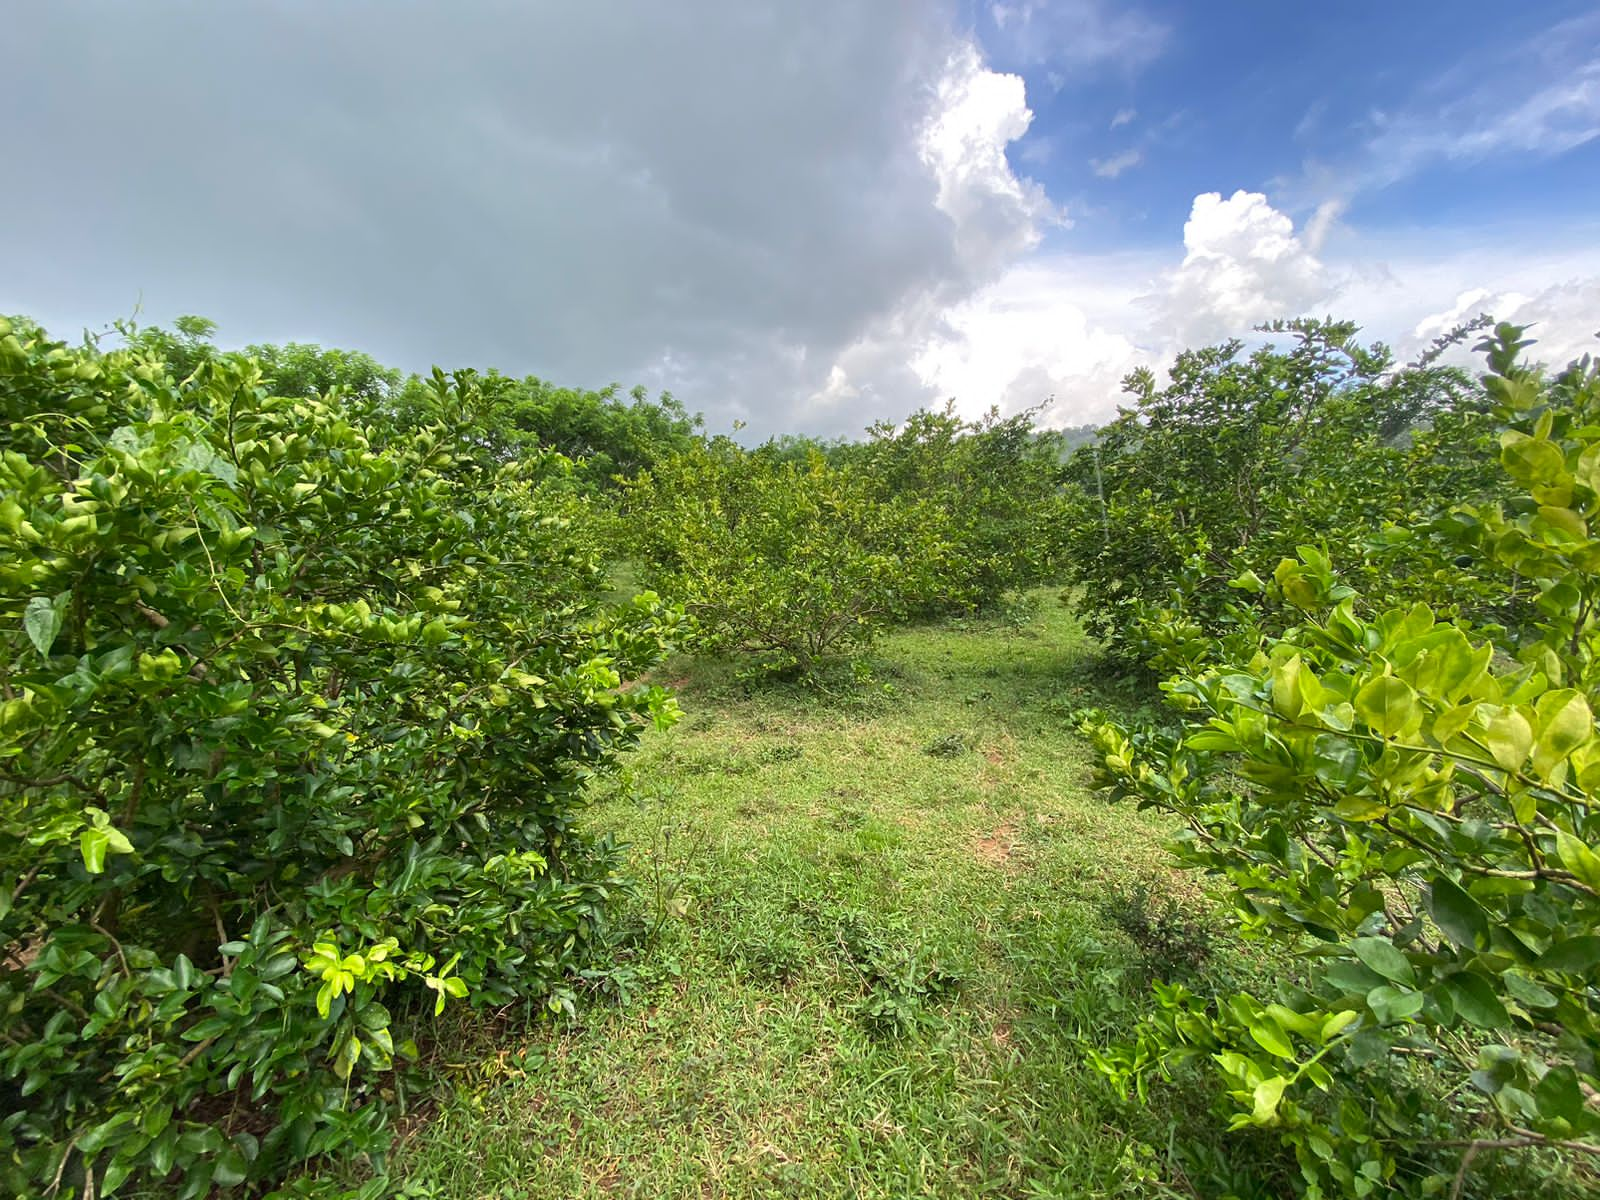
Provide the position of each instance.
(1406, 803)
(297, 711)
(792, 561)
(994, 486)
(305, 667)
(799, 552)
(1237, 461)
(602, 435)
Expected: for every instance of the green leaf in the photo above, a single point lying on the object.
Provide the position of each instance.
(42, 622)
(1271, 1038)
(1286, 697)
(1359, 808)
(1381, 955)
(1578, 858)
(1390, 1005)
(1452, 721)
(1509, 738)
(1474, 1000)
(92, 844)
(1565, 723)
(1526, 992)
(1336, 1023)
(1352, 978)
(231, 1169)
(1249, 581)
(1267, 1096)
(1389, 706)
(1530, 460)
(1458, 916)
(1335, 760)
(1560, 1095)
(1572, 956)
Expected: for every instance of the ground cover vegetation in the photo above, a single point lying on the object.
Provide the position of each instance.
(1202, 808)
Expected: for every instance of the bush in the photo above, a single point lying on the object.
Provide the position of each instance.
(297, 715)
(1171, 941)
(1238, 461)
(990, 488)
(791, 561)
(601, 434)
(1410, 806)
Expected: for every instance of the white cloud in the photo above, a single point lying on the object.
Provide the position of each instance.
(1072, 326)
(1322, 222)
(1242, 264)
(1110, 168)
(1030, 337)
(1536, 97)
(977, 113)
(1552, 120)
(1075, 33)
(1124, 116)
(1555, 293)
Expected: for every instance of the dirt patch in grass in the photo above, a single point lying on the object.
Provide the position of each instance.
(995, 848)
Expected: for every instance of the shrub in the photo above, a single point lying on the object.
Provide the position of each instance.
(1171, 941)
(296, 719)
(1238, 461)
(791, 561)
(1413, 811)
(992, 491)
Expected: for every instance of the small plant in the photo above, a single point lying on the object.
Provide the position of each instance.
(1171, 942)
(948, 745)
(900, 979)
(777, 956)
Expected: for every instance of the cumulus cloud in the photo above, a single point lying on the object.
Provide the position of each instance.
(1069, 327)
(994, 216)
(1242, 264)
(1124, 116)
(1057, 331)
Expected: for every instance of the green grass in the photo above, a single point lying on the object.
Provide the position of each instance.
(870, 932)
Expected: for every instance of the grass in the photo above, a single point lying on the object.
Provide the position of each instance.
(869, 934)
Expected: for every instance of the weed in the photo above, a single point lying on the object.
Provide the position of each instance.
(1171, 941)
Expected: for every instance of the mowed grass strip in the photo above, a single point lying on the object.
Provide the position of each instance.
(868, 936)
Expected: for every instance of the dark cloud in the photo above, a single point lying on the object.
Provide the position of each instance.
(719, 198)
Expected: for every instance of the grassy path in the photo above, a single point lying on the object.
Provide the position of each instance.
(869, 936)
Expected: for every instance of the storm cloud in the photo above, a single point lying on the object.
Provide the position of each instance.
(724, 199)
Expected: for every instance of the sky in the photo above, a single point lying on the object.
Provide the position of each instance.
(804, 217)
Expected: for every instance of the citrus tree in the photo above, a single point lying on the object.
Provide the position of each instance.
(1407, 805)
(1239, 459)
(992, 490)
(793, 561)
(295, 718)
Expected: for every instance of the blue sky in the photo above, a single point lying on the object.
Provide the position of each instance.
(804, 216)
(1262, 96)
